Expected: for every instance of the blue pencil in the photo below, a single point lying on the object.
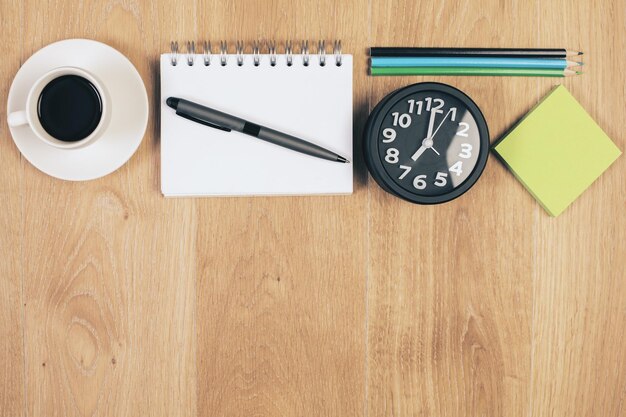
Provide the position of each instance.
(471, 62)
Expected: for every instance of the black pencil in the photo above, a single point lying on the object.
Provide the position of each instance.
(473, 52)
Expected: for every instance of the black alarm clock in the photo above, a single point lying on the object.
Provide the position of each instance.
(426, 143)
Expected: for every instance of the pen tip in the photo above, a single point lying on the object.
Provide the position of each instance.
(172, 102)
(342, 159)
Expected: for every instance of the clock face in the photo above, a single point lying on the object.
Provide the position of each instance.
(426, 143)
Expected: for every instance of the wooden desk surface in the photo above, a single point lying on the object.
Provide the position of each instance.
(115, 301)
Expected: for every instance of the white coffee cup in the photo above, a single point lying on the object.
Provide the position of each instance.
(29, 116)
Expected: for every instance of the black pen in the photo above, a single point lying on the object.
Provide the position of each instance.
(219, 120)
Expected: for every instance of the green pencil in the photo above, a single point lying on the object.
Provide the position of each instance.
(519, 72)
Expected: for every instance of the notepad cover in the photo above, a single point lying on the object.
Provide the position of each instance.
(311, 102)
(557, 150)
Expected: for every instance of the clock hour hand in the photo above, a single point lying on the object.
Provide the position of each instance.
(419, 152)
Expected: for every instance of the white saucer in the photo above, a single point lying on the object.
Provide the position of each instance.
(129, 110)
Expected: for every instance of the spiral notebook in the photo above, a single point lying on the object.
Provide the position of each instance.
(307, 95)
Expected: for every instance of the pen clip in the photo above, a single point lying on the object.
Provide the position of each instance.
(203, 122)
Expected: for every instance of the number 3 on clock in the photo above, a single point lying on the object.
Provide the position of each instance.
(466, 151)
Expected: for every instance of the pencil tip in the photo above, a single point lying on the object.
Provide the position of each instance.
(580, 52)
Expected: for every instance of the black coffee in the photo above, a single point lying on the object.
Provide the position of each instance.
(69, 108)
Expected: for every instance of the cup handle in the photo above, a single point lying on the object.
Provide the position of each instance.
(17, 118)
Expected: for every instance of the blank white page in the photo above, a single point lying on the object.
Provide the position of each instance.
(311, 102)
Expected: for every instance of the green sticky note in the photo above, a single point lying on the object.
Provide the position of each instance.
(557, 150)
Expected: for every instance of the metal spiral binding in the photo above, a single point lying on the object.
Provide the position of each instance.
(223, 52)
(256, 57)
(272, 51)
(305, 53)
(174, 56)
(337, 52)
(239, 52)
(206, 51)
(321, 50)
(289, 53)
(191, 52)
(257, 47)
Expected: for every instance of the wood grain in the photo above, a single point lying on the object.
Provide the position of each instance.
(579, 359)
(109, 272)
(116, 301)
(450, 286)
(11, 273)
(280, 297)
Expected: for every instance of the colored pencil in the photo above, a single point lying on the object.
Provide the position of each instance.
(473, 52)
(473, 62)
(520, 72)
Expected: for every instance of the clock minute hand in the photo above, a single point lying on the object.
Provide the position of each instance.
(427, 141)
(431, 122)
(441, 124)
